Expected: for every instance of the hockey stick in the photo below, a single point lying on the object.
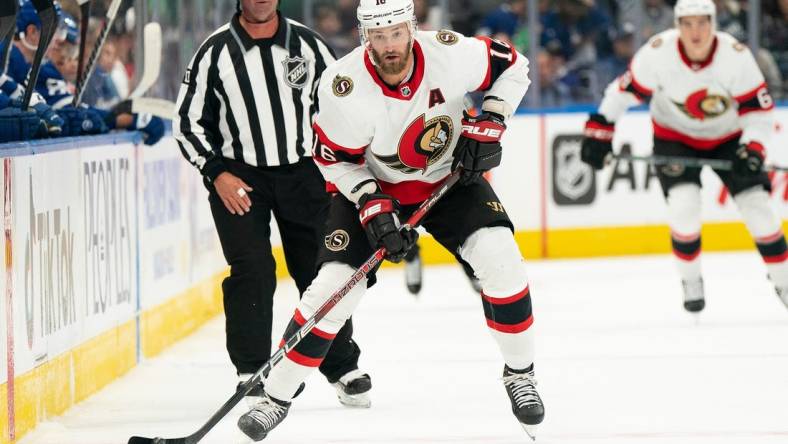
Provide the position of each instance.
(46, 12)
(691, 162)
(84, 22)
(90, 66)
(293, 340)
(158, 107)
(152, 59)
(7, 25)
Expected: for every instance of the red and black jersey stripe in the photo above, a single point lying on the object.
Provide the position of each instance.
(327, 152)
(501, 57)
(757, 99)
(773, 248)
(509, 315)
(686, 247)
(313, 348)
(628, 83)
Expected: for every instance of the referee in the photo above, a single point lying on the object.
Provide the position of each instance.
(244, 119)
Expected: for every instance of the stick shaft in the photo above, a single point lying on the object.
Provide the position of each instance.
(692, 162)
(90, 66)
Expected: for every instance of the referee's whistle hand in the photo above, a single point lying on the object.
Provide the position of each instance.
(234, 192)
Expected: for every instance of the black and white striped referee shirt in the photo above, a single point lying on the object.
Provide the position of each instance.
(250, 100)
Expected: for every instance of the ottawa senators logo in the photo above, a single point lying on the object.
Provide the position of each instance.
(342, 86)
(448, 38)
(337, 241)
(700, 105)
(422, 144)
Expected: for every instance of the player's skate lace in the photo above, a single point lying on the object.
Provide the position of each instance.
(523, 389)
(262, 418)
(267, 413)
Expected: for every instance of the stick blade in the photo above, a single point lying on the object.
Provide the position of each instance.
(141, 440)
(152, 58)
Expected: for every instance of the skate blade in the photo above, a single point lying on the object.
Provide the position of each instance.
(360, 401)
(530, 430)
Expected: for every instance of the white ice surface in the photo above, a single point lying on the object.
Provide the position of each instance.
(618, 361)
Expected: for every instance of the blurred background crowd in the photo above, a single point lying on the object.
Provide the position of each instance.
(576, 47)
(581, 45)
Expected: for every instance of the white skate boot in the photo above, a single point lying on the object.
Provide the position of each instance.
(694, 300)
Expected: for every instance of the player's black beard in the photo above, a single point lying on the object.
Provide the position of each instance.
(388, 68)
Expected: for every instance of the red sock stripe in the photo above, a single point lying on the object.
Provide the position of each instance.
(776, 259)
(516, 328)
(686, 257)
(306, 361)
(771, 238)
(504, 301)
(300, 320)
(684, 237)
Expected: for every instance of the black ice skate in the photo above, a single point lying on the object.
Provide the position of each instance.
(413, 271)
(694, 300)
(263, 417)
(353, 389)
(526, 404)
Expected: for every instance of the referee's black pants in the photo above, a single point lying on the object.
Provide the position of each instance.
(295, 195)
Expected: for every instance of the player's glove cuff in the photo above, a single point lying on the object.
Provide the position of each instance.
(598, 128)
(749, 159)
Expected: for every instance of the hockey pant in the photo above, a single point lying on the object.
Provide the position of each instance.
(494, 256)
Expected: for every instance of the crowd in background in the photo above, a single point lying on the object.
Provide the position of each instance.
(584, 44)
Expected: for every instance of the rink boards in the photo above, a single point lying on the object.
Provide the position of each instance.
(111, 253)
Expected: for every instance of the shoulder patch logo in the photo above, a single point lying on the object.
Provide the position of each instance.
(187, 78)
(342, 86)
(656, 43)
(739, 47)
(446, 37)
(296, 72)
(338, 240)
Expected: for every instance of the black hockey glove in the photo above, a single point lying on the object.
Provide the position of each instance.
(378, 215)
(479, 148)
(749, 159)
(597, 141)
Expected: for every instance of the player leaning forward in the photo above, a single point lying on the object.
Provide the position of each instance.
(391, 116)
(708, 99)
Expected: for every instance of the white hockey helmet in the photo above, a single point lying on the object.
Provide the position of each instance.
(686, 8)
(374, 14)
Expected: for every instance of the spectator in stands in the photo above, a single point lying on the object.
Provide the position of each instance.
(328, 25)
(504, 22)
(551, 65)
(615, 64)
(429, 18)
(346, 10)
(579, 26)
(654, 17)
(774, 37)
(465, 16)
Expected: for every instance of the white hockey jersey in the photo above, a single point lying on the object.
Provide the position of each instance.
(404, 137)
(700, 104)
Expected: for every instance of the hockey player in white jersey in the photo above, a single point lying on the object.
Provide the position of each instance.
(390, 129)
(708, 99)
